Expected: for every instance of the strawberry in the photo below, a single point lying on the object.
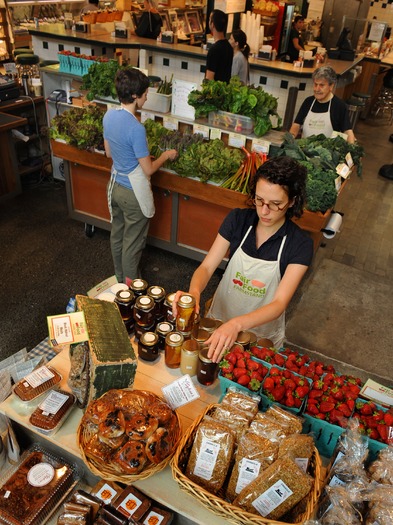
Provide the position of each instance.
(268, 384)
(320, 416)
(312, 409)
(303, 370)
(350, 404)
(289, 400)
(326, 407)
(226, 367)
(279, 360)
(337, 393)
(388, 418)
(302, 391)
(366, 409)
(254, 385)
(317, 385)
(278, 393)
(373, 433)
(241, 363)
(383, 432)
(314, 394)
(298, 402)
(256, 375)
(238, 372)
(231, 358)
(319, 370)
(243, 380)
(251, 365)
(344, 409)
(274, 371)
(290, 384)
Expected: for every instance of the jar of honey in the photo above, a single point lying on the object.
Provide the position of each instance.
(158, 294)
(201, 336)
(206, 369)
(207, 323)
(173, 344)
(144, 310)
(168, 308)
(148, 346)
(140, 330)
(139, 287)
(243, 339)
(162, 330)
(189, 357)
(125, 302)
(185, 313)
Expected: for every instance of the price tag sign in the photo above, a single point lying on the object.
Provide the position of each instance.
(145, 115)
(337, 183)
(260, 145)
(343, 170)
(180, 392)
(203, 130)
(349, 159)
(236, 141)
(170, 123)
(377, 392)
(215, 133)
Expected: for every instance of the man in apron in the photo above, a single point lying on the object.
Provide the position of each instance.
(130, 198)
(269, 255)
(323, 112)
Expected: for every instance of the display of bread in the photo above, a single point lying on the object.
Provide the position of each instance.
(37, 383)
(268, 8)
(129, 430)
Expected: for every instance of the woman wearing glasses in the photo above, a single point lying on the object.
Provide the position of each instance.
(268, 257)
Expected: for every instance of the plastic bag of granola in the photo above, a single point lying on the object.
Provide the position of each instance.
(291, 421)
(238, 420)
(300, 447)
(381, 469)
(237, 398)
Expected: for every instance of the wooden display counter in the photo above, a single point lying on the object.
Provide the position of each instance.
(161, 486)
(188, 212)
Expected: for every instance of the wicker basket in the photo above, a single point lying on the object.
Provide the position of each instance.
(217, 504)
(108, 470)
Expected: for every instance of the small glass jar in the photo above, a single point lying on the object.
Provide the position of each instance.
(243, 339)
(144, 310)
(253, 339)
(173, 344)
(148, 346)
(158, 294)
(168, 308)
(185, 313)
(201, 336)
(139, 287)
(125, 302)
(189, 357)
(162, 330)
(206, 369)
(207, 323)
(140, 330)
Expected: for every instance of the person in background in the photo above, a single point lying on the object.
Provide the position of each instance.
(90, 5)
(323, 112)
(130, 198)
(295, 39)
(241, 52)
(220, 55)
(268, 257)
(150, 23)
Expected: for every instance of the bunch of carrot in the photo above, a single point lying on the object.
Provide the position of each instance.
(241, 179)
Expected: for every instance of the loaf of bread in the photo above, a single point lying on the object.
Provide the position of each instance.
(25, 499)
(51, 413)
(211, 454)
(132, 504)
(276, 491)
(37, 383)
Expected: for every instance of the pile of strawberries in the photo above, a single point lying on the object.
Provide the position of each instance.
(269, 355)
(238, 366)
(374, 421)
(285, 387)
(332, 398)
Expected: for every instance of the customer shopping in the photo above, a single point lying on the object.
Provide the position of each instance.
(241, 52)
(268, 257)
(220, 55)
(130, 197)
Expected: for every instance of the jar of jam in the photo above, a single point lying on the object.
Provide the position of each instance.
(125, 303)
(253, 339)
(144, 310)
(243, 339)
(207, 323)
(185, 313)
(168, 307)
(162, 330)
(206, 369)
(158, 294)
(140, 330)
(189, 357)
(173, 344)
(139, 287)
(201, 336)
(148, 346)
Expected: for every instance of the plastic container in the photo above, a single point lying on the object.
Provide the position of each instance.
(231, 122)
(37, 383)
(51, 413)
(157, 101)
(325, 434)
(65, 66)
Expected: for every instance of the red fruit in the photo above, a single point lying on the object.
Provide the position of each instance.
(388, 418)
(367, 408)
(279, 360)
(373, 433)
(257, 376)
(241, 363)
(379, 415)
(312, 409)
(302, 391)
(383, 432)
(303, 370)
(251, 365)
(298, 402)
(328, 378)
(278, 392)
(289, 400)
(231, 357)
(243, 380)
(314, 394)
(320, 416)
(238, 372)
(319, 370)
(228, 376)
(274, 371)
(226, 367)
(290, 384)
(344, 409)
(312, 401)
(350, 404)
(326, 407)
(254, 385)
(337, 393)
(318, 385)
(268, 384)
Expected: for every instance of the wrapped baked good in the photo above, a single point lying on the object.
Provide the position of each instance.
(211, 454)
(238, 420)
(106, 491)
(157, 515)
(253, 455)
(36, 488)
(268, 427)
(132, 503)
(37, 383)
(300, 447)
(277, 490)
(53, 411)
(84, 498)
(242, 400)
(293, 423)
(381, 469)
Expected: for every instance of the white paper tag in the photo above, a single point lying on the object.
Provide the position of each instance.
(343, 170)
(203, 130)
(337, 183)
(236, 141)
(349, 159)
(215, 133)
(170, 123)
(302, 463)
(145, 115)
(206, 460)
(38, 377)
(153, 518)
(260, 145)
(376, 392)
(106, 493)
(41, 474)
(180, 392)
(53, 402)
(272, 498)
(336, 482)
(248, 471)
(130, 504)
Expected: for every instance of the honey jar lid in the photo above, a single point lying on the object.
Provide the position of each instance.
(144, 302)
(174, 339)
(149, 339)
(169, 298)
(164, 327)
(207, 323)
(124, 296)
(203, 355)
(243, 338)
(190, 346)
(186, 301)
(139, 284)
(157, 292)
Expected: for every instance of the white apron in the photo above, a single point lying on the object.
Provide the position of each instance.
(316, 123)
(141, 187)
(247, 284)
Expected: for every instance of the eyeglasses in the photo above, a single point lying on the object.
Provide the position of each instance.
(272, 206)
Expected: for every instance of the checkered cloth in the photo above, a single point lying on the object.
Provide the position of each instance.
(42, 349)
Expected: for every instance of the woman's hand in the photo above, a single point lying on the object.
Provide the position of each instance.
(171, 154)
(222, 339)
(178, 294)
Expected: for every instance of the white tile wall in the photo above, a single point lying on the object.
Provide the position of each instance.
(47, 49)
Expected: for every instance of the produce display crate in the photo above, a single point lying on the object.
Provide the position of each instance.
(325, 434)
(231, 122)
(65, 66)
(157, 101)
(215, 502)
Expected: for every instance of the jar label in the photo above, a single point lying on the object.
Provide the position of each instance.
(186, 299)
(137, 284)
(41, 474)
(156, 290)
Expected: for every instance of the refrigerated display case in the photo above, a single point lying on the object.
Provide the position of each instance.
(6, 37)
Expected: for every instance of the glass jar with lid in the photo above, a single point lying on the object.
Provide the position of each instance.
(189, 357)
(207, 323)
(185, 313)
(144, 310)
(168, 307)
(139, 287)
(148, 346)
(201, 336)
(158, 294)
(206, 369)
(28, 69)
(173, 344)
(124, 299)
(243, 339)
(162, 330)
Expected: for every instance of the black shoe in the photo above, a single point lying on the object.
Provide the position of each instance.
(386, 171)
(391, 138)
